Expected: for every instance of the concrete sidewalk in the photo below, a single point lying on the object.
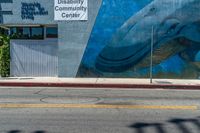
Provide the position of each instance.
(100, 83)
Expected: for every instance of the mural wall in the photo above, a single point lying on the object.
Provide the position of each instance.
(119, 45)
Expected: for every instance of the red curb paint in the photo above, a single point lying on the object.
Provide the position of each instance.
(91, 85)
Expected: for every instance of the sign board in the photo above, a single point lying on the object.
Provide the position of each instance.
(70, 9)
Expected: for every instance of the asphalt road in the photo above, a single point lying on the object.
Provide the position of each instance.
(67, 110)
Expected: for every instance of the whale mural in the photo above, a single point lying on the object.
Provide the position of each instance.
(126, 49)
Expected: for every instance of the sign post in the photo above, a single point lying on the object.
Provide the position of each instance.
(151, 60)
(70, 10)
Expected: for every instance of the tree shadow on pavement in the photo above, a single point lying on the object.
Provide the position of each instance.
(140, 127)
(179, 123)
(19, 131)
(14, 131)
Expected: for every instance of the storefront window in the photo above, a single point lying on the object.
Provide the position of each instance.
(51, 32)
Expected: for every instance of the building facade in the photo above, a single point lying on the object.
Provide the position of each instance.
(112, 40)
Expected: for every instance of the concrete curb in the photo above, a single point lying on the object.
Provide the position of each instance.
(100, 85)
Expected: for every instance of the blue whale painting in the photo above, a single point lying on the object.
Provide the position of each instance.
(119, 45)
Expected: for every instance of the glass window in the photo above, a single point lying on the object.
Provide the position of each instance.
(19, 33)
(27, 32)
(37, 33)
(51, 32)
(12, 30)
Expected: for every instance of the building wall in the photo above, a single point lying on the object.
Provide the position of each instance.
(73, 39)
(115, 40)
(73, 35)
(119, 45)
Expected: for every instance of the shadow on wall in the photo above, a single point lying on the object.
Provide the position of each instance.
(4, 12)
(19, 131)
(180, 124)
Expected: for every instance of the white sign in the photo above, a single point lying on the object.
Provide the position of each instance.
(70, 9)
